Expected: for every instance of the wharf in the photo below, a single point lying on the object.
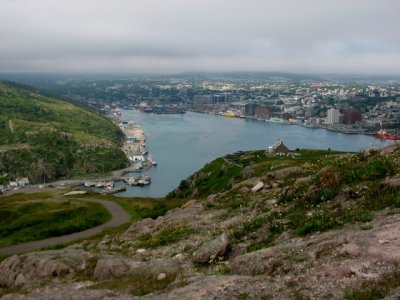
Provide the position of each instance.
(115, 190)
(134, 144)
(345, 129)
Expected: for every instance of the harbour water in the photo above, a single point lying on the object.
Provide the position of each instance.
(182, 144)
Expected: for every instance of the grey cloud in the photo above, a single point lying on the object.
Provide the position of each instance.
(177, 35)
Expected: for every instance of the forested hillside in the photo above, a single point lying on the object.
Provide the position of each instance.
(46, 138)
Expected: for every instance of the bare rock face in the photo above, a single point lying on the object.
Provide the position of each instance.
(17, 270)
(246, 183)
(210, 287)
(283, 173)
(69, 294)
(167, 266)
(259, 186)
(258, 262)
(191, 210)
(143, 227)
(161, 276)
(303, 180)
(391, 182)
(116, 267)
(212, 250)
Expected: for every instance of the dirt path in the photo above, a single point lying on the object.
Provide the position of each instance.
(119, 217)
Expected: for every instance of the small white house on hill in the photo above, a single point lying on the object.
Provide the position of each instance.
(278, 148)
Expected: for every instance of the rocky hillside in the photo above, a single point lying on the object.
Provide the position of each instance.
(313, 225)
(47, 138)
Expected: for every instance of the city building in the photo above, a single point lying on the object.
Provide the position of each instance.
(250, 109)
(352, 116)
(261, 112)
(203, 99)
(333, 116)
(218, 99)
(309, 112)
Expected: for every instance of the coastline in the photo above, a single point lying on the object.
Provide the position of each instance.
(342, 129)
(131, 150)
(203, 138)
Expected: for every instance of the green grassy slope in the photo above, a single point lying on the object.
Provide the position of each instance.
(41, 136)
(323, 191)
(220, 174)
(32, 217)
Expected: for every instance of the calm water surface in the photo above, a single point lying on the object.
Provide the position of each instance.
(182, 144)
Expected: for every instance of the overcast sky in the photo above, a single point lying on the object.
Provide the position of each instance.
(301, 36)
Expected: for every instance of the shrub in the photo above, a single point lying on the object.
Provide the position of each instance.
(247, 227)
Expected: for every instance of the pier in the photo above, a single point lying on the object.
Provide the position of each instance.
(114, 190)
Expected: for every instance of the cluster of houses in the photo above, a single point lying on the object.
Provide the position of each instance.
(19, 183)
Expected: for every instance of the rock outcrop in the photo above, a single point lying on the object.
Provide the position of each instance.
(283, 173)
(391, 182)
(18, 270)
(213, 250)
(112, 267)
(259, 186)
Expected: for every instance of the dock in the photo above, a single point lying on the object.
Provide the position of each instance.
(114, 190)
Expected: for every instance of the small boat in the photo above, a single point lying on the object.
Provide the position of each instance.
(89, 184)
(140, 181)
(139, 166)
(131, 181)
(229, 114)
(144, 180)
(106, 189)
(151, 161)
(99, 184)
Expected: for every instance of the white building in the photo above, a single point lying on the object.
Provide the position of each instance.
(23, 181)
(333, 116)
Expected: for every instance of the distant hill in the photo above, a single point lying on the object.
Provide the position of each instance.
(45, 138)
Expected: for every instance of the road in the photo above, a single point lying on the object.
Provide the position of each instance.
(119, 217)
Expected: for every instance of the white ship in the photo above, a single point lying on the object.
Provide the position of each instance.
(277, 120)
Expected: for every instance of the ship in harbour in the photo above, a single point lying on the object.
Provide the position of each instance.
(386, 135)
(277, 120)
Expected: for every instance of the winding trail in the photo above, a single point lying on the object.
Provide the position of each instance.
(119, 217)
